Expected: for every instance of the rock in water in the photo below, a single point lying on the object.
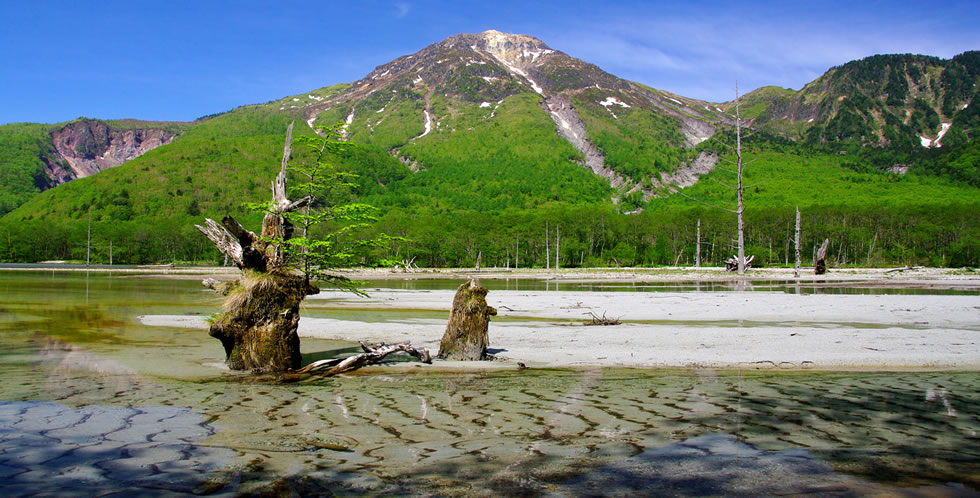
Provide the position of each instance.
(466, 335)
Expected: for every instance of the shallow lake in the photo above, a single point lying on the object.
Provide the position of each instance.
(93, 402)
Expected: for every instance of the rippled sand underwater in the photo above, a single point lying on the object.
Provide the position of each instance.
(92, 402)
(537, 432)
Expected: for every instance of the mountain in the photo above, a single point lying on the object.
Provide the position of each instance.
(485, 139)
(904, 101)
(34, 158)
(471, 87)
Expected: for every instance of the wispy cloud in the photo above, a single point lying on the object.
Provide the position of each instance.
(701, 56)
(402, 9)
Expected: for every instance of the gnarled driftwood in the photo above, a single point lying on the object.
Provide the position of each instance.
(370, 356)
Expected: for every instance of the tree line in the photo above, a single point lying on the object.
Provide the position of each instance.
(940, 234)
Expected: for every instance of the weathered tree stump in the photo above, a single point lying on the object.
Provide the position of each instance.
(258, 327)
(821, 266)
(466, 336)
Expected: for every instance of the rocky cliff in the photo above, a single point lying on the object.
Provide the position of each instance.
(87, 146)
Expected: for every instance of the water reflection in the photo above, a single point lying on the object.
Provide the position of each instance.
(739, 285)
(420, 431)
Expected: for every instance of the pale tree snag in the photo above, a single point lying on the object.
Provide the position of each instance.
(732, 263)
(739, 261)
(821, 266)
(261, 316)
(697, 247)
(466, 336)
(741, 208)
(796, 268)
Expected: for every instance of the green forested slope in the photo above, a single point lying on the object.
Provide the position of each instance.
(22, 149)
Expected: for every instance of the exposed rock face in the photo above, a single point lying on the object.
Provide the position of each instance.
(88, 146)
(686, 176)
(571, 128)
(695, 130)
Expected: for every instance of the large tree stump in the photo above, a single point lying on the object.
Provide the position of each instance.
(821, 265)
(258, 326)
(258, 330)
(466, 335)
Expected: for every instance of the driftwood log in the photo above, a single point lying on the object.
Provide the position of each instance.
(261, 314)
(821, 265)
(731, 264)
(370, 356)
(466, 337)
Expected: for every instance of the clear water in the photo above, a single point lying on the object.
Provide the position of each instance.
(92, 401)
(803, 287)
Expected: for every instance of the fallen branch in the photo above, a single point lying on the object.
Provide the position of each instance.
(904, 269)
(408, 265)
(731, 264)
(370, 356)
(602, 320)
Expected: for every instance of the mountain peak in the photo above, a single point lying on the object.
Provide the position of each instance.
(513, 50)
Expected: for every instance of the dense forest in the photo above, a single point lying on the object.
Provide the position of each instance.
(872, 218)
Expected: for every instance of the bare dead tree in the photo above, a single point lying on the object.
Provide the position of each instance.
(547, 247)
(557, 246)
(739, 187)
(796, 269)
(697, 247)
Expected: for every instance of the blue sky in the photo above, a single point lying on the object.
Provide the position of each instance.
(180, 60)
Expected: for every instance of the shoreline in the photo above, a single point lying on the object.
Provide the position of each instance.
(728, 329)
(925, 276)
(766, 319)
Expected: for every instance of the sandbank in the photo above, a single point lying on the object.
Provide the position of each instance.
(737, 329)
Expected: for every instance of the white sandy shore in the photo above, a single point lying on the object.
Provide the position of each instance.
(716, 329)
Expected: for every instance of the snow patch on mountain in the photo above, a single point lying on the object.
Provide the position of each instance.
(428, 124)
(929, 143)
(613, 101)
(944, 127)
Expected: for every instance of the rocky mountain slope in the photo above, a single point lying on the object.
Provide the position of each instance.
(493, 121)
(883, 100)
(483, 140)
(86, 147)
(35, 157)
(421, 96)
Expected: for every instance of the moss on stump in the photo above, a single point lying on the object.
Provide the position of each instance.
(258, 327)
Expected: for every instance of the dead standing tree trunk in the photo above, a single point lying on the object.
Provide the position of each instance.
(258, 326)
(796, 268)
(466, 336)
(821, 266)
